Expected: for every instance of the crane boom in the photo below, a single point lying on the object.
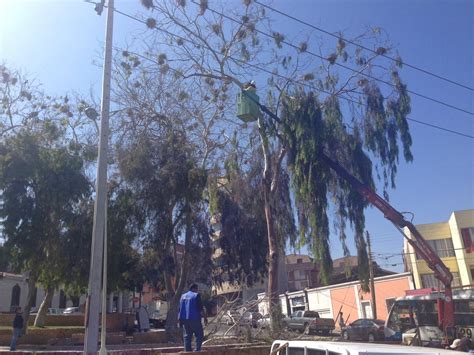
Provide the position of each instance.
(419, 244)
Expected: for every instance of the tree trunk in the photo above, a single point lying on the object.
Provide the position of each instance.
(171, 325)
(274, 308)
(181, 279)
(43, 310)
(29, 301)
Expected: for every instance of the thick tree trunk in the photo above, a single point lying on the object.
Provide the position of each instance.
(274, 308)
(29, 301)
(45, 305)
(172, 315)
(269, 184)
(181, 279)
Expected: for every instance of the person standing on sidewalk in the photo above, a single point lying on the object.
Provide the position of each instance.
(190, 313)
(17, 327)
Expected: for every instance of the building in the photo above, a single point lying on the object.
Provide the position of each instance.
(14, 290)
(302, 272)
(453, 240)
(347, 298)
(346, 269)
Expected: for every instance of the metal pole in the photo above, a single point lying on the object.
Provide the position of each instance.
(93, 297)
(372, 283)
(103, 328)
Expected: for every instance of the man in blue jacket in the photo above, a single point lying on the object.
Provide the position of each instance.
(190, 313)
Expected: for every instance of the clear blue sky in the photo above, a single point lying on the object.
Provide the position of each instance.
(56, 41)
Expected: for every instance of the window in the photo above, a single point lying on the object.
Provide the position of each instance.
(62, 299)
(443, 247)
(311, 314)
(456, 279)
(295, 351)
(389, 302)
(366, 309)
(291, 275)
(15, 300)
(35, 292)
(299, 261)
(463, 310)
(468, 239)
(430, 281)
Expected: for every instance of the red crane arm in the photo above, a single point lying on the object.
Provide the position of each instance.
(418, 243)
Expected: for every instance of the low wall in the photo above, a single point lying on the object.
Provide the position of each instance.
(231, 349)
(39, 336)
(115, 321)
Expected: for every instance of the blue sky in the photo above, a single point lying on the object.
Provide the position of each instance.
(56, 41)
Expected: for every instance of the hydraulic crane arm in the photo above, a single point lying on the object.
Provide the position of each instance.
(422, 248)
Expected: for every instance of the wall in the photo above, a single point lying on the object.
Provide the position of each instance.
(320, 301)
(345, 299)
(462, 262)
(384, 290)
(457, 221)
(348, 297)
(7, 282)
(115, 321)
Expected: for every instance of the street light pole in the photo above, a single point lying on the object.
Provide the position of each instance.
(93, 297)
(103, 327)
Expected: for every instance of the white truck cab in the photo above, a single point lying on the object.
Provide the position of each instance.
(308, 347)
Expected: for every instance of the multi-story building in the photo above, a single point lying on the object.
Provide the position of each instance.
(453, 240)
(302, 272)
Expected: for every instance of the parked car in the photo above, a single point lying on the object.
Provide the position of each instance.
(250, 318)
(230, 317)
(55, 311)
(157, 320)
(264, 322)
(71, 310)
(309, 322)
(364, 329)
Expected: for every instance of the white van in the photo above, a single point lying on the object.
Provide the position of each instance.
(308, 347)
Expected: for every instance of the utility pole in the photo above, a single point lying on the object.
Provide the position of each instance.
(371, 273)
(98, 230)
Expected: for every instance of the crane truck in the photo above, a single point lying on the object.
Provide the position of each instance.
(249, 109)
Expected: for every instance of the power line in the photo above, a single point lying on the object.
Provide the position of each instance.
(281, 76)
(393, 255)
(342, 65)
(364, 47)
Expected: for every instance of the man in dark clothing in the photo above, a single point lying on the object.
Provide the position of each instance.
(190, 312)
(17, 327)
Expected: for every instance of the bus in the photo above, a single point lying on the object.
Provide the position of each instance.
(420, 312)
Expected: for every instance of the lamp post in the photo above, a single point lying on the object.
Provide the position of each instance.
(98, 230)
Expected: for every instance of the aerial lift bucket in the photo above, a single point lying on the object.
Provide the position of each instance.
(247, 105)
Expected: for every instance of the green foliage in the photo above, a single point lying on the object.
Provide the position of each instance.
(166, 184)
(310, 127)
(239, 205)
(42, 186)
